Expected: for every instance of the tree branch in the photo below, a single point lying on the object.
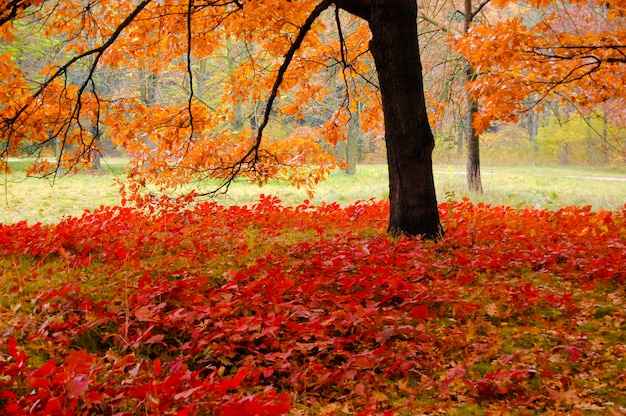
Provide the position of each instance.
(478, 9)
(251, 157)
(359, 8)
(12, 9)
(189, 69)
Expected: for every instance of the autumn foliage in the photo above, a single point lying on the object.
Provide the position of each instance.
(180, 88)
(547, 51)
(266, 309)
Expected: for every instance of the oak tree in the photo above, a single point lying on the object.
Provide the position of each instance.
(408, 136)
(185, 137)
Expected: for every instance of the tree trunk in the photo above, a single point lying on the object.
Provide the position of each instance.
(474, 182)
(409, 139)
(237, 107)
(459, 121)
(605, 139)
(97, 162)
(533, 129)
(148, 91)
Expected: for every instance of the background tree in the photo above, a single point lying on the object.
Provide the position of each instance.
(445, 75)
(474, 182)
(448, 76)
(560, 51)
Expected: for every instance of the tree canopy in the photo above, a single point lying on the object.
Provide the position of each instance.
(573, 51)
(153, 101)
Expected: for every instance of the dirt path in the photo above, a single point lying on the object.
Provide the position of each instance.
(601, 178)
(595, 178)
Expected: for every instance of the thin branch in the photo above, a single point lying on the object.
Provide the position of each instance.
(439, 27)
(342, 41)
(11, 10)
(189, 69)
(251, 157)
(581, 52)
(345, 65)
(478, 9)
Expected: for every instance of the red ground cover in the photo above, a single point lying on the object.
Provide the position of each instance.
(268, 310)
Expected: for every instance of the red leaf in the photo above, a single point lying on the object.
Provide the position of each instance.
(144, 314)
(359, 390)
(574, 352)
(77, 386)
(12, 408)
(156, 366)
(420, 312)
(79, 362)
(47, 368)
(269, 405)
(155, 339)
(185, 394)
(6, 394)
(233, 384)
(13, 347)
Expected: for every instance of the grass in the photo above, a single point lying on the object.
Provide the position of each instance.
(47, 201)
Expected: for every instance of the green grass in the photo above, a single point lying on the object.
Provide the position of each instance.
(48, 201)
(547, 187)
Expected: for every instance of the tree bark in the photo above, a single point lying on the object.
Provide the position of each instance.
(474, 182)
(533, 128)
(409, 139)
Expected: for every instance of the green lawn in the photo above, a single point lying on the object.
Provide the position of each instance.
(48, 201)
